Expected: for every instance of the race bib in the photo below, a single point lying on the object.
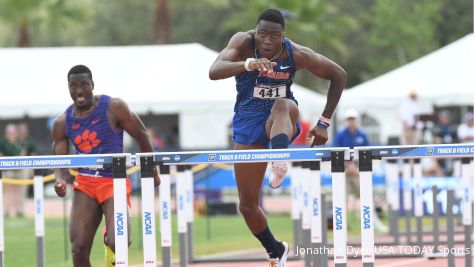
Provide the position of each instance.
(269, 92)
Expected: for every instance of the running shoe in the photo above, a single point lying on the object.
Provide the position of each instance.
(279, 170)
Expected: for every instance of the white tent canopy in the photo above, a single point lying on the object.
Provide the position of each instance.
(165, 79)
(442, 78)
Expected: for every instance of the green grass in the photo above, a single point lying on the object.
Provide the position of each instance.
(211, 235)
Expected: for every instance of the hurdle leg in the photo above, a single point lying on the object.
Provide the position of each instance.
(418, 200)
(39, 221)
(181, 214)
(120, 211)
(367, 207)
(393, 197)
(148, 212)
(306, 211)
(450, 228)
(435, 218)
(324, 232)
(295, 204)
(339, 208)
(407, 196)
(1, 222)
(316, 209)
(165, 215)
(467, 210)
(189, 211)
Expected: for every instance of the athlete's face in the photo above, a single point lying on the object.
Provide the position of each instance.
(80, 89)
(269, 38)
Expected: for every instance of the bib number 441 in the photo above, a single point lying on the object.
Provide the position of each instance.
(270, 92)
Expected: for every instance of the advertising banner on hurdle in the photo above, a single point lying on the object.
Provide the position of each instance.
(422, 151)
(67, 161)
(238, 156)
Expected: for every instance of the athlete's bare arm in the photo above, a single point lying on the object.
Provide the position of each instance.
(60, 147)
(230, 61)
(326, 69)
(122, 117)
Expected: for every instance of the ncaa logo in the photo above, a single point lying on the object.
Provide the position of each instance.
(394, 151)
(212, 157)
(177, 157)
(430, 151)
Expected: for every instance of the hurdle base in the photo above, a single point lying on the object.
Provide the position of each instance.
(40, 250)
(166, 256)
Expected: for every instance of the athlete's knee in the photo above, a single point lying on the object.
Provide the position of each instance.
(80, 250)
(247, 208)
(280, 107)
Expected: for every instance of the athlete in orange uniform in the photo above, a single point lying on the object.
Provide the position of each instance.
(94, 124)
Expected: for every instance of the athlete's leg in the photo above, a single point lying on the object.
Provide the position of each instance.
(280, 128)
(283, 118)
(86, 215)
(108, 210)
(249, 177)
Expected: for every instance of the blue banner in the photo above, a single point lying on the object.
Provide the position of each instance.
(241, 156)
(423, 151)
(67, 161)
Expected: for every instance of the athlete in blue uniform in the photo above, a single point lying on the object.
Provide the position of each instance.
(264, 62)
(94, 124)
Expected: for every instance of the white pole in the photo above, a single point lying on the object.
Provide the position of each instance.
(39, 219)
(148, 222)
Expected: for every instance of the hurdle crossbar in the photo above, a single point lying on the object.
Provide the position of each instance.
(93, 161)
(245, 156)
(420, 151)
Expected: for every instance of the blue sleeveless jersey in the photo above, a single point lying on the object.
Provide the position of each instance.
(93, 134)
(251, 112)
(283, 74)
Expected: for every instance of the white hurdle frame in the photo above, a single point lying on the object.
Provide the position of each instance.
(2, 236)
(93, 161)
(403, 152)
(234, 156)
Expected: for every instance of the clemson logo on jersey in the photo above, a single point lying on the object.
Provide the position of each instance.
(87, 141)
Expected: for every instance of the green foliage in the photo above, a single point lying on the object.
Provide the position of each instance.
(44, 20)
(366, 37)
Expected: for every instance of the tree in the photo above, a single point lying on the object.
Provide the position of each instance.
(399, 32)
(162, 23)
(23, 15)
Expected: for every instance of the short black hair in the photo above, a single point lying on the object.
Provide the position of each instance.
(273, 15)
(80, 69)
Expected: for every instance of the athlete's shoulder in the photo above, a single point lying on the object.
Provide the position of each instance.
(116, 103)
(242, 39)
(58, 129)
(300, 50)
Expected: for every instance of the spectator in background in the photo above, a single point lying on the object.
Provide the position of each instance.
(10, 147)
(408, 112)
(465, 130)
(24, 139)
(26, 144)
(444, 133)
(350, 137)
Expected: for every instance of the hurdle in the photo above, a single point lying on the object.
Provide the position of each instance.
(95, 161)
(233, 156)
(367, 154)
